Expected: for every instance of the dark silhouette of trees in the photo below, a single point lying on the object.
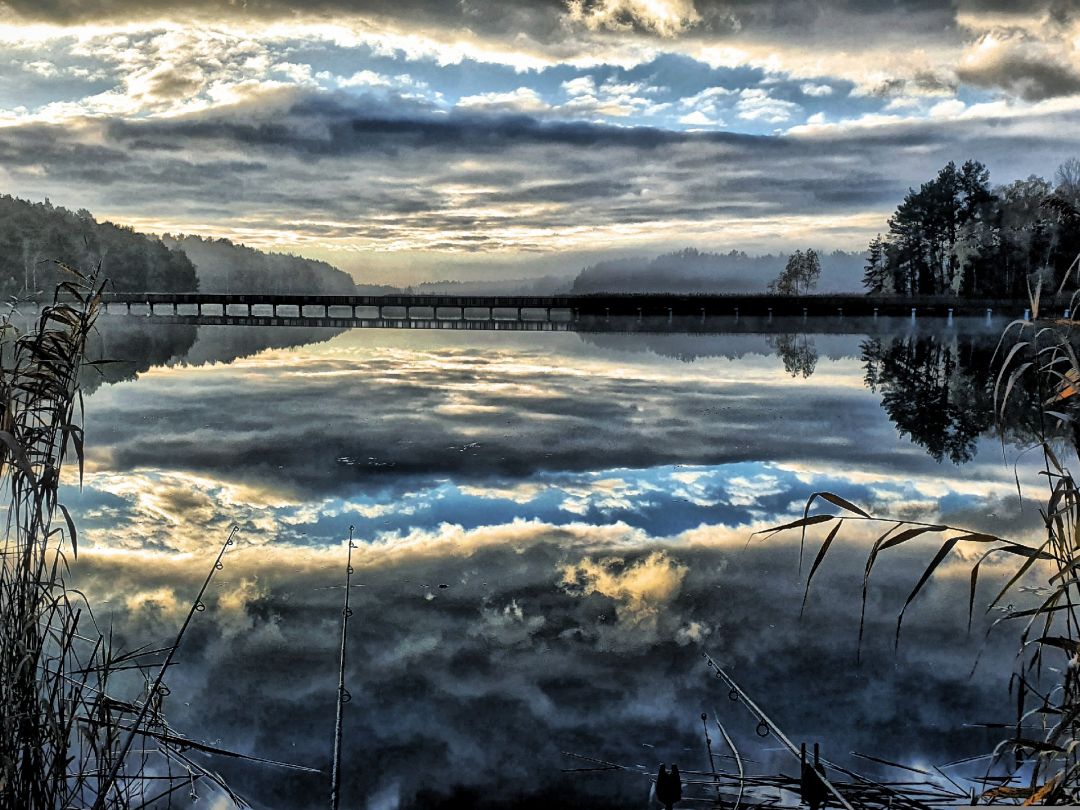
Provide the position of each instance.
(800, 275)
(938, 393)
(33, 236)
(956, 235)
(876, 273)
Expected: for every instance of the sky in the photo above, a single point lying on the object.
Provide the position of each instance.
(416, 139)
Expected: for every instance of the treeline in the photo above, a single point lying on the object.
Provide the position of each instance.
(958, 235)
(227, 267)
(694, 271)
(34, 236)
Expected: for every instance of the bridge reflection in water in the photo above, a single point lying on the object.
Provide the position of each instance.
(387, 317)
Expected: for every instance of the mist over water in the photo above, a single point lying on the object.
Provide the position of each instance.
(551, 528)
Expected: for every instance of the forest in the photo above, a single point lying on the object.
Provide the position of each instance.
(227, 267)
(959, 235)
(35, 236)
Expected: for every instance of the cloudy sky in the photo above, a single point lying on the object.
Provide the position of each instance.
(421, 139)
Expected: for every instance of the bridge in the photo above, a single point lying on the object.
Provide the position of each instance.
(541, 312)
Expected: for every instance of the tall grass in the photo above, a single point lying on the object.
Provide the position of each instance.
(66, 739)
(1039, 761)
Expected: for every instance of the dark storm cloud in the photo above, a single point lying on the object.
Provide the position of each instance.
(539, 19)
(323, 157)
(737, 16)
(55, 146)
(925, 81)
(373, 169)
(1023, 74)
(484, 15)
(324, 125)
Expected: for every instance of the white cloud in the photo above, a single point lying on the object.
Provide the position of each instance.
(41, 68)
(365, 78)
(757, 105)
(295, 71)
(816, 90)
(948, 109)
(710, 95)
(524, 99)
(581, 86)
(705, 107)
(699, 119)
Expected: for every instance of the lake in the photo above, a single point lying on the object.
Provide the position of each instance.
(551, 528)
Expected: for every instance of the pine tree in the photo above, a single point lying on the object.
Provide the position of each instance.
(875, 273)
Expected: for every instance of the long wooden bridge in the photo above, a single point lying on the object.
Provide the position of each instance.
(560, 311)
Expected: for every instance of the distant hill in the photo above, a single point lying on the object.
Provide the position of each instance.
(693, 271)
(541, 285)
(35, 235)
(225, 266)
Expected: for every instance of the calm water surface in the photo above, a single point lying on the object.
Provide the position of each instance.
(552, 527)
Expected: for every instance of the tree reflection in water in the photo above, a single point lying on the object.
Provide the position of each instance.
(798, 353)
(939, 391)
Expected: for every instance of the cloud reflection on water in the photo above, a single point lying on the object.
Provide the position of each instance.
(586, 504)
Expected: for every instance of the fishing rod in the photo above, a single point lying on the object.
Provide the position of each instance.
(766, 726)
(155, 690)
(343, 695)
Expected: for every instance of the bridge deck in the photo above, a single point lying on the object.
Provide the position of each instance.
(578, 306)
